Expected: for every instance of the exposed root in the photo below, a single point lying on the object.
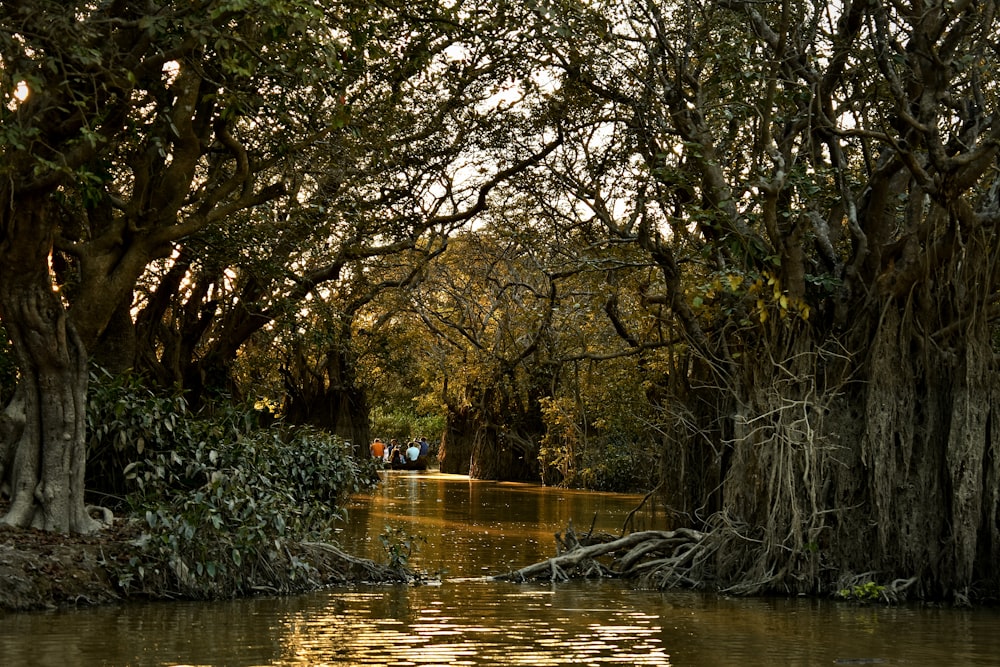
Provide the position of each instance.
(336, 566)
(684, 558)
(102, 515)
(631, 515)
(628, 556)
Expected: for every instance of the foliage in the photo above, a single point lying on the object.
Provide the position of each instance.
(221, 505)
(374, 199)
(399, 545)
(219, 497)
(619, 463)
(404, 424)
(124, 417)
(603, 458)
(867, 592)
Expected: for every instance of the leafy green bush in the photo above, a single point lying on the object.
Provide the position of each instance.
(220, 501)
(124, 418)
(220, 512)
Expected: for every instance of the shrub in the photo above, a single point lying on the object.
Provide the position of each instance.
(219, 513)
(219, 501)
(123, 419)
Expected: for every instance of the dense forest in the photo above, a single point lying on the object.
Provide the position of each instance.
(741, 254)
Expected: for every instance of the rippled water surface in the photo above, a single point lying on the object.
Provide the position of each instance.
(475, 528)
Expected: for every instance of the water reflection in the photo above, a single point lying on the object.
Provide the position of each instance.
(472, 625)
(475, 527)
(467, 620)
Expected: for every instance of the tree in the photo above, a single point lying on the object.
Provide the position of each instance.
(818, 189)
(371, 206)
(489, 309)
(125, 130)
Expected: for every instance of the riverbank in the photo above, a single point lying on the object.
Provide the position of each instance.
(41, 570)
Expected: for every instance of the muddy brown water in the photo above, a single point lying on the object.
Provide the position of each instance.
(470, 529)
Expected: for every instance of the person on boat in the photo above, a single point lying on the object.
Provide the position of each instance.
(424, 447)
(413, 452)
(398, 458)
(377, 449)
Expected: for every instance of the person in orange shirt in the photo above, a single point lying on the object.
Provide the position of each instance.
(377, 449)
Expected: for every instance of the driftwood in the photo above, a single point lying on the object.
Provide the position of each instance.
(334, 566)
(666, 556)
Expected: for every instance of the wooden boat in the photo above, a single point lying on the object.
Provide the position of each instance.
(419, 464)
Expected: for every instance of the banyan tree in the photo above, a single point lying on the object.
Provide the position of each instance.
(817, 186)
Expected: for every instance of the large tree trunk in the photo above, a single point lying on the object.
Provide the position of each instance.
(505, 456)
(871, 454)
(487, 441)
(329, 397)
(46, 454)
(455, 453)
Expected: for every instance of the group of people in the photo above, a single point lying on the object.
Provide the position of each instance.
(412, 456)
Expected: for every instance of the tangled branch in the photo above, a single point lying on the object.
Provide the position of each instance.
(665, 554)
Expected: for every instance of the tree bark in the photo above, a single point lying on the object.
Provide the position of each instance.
(455, 454)
(329, 397)
(116, 348)
(47, 449)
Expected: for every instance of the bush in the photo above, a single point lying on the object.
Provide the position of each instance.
(219, 500)
(123, 419)
(219, 513)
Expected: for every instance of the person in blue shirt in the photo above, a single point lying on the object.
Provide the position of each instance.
(424, 447)
(413, 451)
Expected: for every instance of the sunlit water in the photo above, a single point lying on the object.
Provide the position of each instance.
(478, 528)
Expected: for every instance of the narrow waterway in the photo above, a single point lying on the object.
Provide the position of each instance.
(465, 529)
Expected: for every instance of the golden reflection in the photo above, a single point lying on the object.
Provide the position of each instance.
(474, 528)
(477, 527)
(481, 624)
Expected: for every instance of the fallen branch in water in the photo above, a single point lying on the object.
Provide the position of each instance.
(335, 566)
(628, 519)
(668, 550)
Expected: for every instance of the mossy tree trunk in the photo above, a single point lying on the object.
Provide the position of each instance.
(327, 394)
(455, 454)
(870, 450)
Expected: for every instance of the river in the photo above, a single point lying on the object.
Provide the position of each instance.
(466, 529)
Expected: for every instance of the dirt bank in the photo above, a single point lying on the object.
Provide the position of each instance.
(40, 570)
